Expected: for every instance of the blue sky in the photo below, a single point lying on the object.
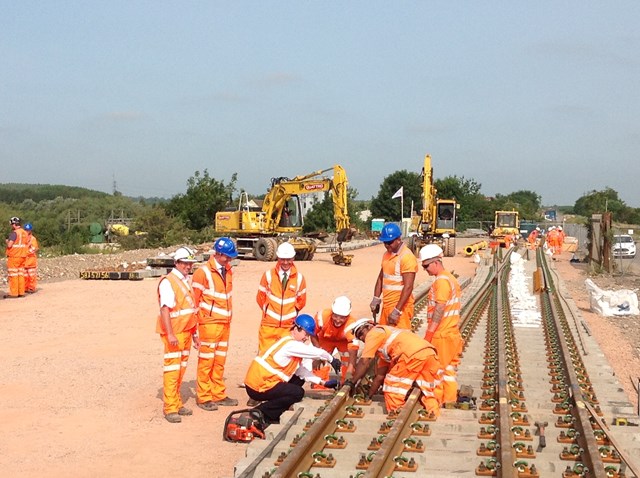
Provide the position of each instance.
(541, 96)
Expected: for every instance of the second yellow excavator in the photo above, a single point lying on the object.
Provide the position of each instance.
(259, 230)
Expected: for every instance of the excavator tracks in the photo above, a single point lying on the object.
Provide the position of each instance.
(545, 402)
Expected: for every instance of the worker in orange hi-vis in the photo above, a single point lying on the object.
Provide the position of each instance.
(403, 359)
(333, 332)
(443, 317)
(17, 250)
(177, 326)
(552, 241)
(560, 241)
(281, 295)
(394, 285)
(532, 239)
(31, 262)
(212, 290)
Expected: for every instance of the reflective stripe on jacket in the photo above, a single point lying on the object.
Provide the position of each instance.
(280, 307)
(20, 245)
(451, 316)
(393, 266)
(265, 373)
(215, 294)
(183, 314)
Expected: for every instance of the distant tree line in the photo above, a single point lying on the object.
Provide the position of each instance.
(61, 215)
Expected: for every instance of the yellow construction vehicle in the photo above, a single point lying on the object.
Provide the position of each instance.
(437, 222)
(506, 227)
(259, 230)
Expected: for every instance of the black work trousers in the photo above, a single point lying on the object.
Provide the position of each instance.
(278, 399)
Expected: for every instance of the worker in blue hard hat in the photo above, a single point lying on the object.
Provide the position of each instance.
(31, 262)
(394, 286)
(212, 290)
(276, 377)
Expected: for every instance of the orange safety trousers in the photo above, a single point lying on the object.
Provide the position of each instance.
(268, 335)
(422, 368)
(16, 274)
(30, 277)
(175, 365)
(404, 322)
(324, 371)
(449, 347)
(214, 344)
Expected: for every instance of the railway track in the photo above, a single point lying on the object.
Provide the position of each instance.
(545, 401)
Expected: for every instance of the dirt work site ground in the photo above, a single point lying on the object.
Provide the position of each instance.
(81, 369)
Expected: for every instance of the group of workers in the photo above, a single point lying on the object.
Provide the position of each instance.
(553, 240)
(22, 253)
(295, 347)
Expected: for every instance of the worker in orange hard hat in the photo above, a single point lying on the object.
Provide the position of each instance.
(394, 285)
(333, 332)
(177, 326)
(443, 317)
(212, 291)
(17, 251)
(31, 262)
(281, 295)
(404, 359)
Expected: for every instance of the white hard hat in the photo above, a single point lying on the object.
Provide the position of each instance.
(359, 323)
(184, 254)
(559, 228)
(430, 251)
(285, 251)
(341, 306)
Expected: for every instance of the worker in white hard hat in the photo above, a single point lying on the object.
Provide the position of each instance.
(443, 317)
(177, 326)
(404, 359)
(281, 295)
(333, 332)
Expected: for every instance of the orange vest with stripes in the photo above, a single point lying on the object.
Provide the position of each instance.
(393, 266)
(183, 314)
(390, 343)
(215, 301)
(265, 373)
(20, 245)
(32, 249)
(330, 335)
(279, 306)
(445, 286)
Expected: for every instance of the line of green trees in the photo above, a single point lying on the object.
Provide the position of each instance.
(61, 215)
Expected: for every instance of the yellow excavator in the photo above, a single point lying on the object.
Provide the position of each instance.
(437, 222)
(258, 231)
(506, 223)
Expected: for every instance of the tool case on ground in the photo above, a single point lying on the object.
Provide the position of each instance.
(244, 425)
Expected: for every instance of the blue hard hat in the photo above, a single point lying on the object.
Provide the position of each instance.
(390, 231)
(306, 323)
(28, 226)
(225, 246)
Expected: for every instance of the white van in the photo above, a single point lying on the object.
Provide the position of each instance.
(624, 246)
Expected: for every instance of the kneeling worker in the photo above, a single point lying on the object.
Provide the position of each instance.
(403, 359)
(276, 377)
(333, 331)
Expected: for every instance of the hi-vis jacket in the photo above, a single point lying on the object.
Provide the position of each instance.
(183, 314)
(445, 288)
(20, 245)
(393, 266)
(331, 336)
(280, 306)
(213, 293)
(280, 362)
(391, 344)
(32, 251)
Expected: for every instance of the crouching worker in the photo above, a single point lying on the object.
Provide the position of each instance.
(276, 377)
(333, 331)
(404, 359)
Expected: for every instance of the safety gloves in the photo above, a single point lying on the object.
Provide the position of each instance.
(375, 305)
(337, 365)
(331, 383)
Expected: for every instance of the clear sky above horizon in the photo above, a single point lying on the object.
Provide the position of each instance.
(541, 96)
